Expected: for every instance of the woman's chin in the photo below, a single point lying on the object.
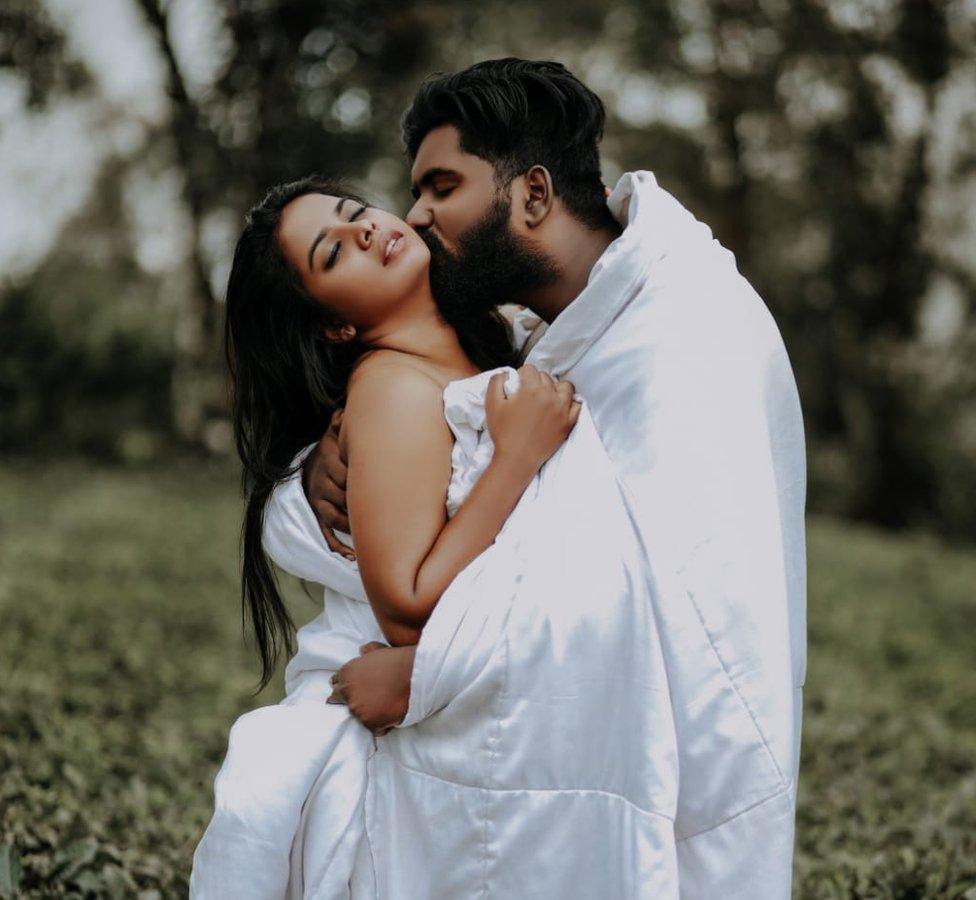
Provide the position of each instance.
(419, 249)
(412, 263)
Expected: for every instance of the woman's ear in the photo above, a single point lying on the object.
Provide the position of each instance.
(339, 334)
(539, 195)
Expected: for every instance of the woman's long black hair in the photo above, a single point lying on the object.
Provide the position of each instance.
(287, 381)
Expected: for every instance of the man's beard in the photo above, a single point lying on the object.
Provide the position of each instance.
(492, 266)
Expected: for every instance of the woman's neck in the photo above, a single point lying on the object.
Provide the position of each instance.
(418, 330)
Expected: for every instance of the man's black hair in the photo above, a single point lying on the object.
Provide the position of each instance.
(517, 113)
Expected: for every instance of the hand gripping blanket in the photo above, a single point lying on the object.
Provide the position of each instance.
(538, 755)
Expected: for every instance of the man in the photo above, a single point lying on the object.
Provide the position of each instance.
(694, 398)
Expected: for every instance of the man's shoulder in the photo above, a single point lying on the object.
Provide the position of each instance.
(525, 328)
(533, 337)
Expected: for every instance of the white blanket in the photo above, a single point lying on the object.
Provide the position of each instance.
(547, 647)
(541, 759)
(693, 397)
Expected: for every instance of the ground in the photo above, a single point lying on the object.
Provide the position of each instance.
(122, 667)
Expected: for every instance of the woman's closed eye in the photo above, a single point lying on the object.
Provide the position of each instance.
(334, 255)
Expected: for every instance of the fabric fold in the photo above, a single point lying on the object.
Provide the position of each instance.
(538, 694)
(654, 574)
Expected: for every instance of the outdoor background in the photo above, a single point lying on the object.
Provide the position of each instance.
(830, 143)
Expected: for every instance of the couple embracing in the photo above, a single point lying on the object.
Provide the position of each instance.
(563, 645)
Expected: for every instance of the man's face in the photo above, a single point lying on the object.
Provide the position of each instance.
(453, 190)
(477, 259)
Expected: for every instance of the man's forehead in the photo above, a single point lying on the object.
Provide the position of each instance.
(440, 149)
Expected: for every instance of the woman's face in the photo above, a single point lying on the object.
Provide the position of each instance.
(358, 261)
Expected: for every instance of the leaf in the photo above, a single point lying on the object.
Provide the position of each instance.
(117, 883)
(89, 883)
(73, 857)
(73, 776)
(10, 871)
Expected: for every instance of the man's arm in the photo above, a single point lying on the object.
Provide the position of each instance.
(324, 483)
(376, 685)
(294, 540)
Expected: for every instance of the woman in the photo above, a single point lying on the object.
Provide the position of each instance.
(329, 305)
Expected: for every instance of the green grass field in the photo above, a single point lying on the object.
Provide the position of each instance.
(122, 668)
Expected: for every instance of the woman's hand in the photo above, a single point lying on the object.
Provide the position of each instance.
(528, 427)
(376, 685)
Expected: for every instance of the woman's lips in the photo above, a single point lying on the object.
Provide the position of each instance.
(394, 244)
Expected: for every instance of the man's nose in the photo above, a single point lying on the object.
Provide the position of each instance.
(420, 215)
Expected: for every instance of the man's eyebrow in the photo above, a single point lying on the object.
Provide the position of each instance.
(325, 231)
(427, 178)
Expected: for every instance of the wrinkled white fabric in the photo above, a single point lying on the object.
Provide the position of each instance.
(538, 756)
(563, 713)
(280, 756)
(693, 395)
(694, 399)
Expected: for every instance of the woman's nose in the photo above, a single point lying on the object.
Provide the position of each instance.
(365, 234)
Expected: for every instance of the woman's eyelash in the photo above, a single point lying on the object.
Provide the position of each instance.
(330, 262)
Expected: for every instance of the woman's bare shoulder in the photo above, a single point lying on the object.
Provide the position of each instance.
(391, 389)
(383, 371)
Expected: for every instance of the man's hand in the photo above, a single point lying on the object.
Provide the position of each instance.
(376, 685)
(324, 483)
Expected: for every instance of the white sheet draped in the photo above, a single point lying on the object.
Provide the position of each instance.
(522, 786)
(693, 395)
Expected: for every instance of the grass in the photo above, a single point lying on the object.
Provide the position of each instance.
(122, 668)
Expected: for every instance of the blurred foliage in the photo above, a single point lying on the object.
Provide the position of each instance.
(78, 373)
(32, 45)
(830, 143)
(123, 669)
(123, 666)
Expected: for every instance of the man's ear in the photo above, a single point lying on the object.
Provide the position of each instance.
(539, 196)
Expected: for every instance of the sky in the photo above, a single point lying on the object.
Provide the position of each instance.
(49, 159)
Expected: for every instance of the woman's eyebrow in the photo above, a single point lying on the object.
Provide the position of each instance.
(315, 243)
(325, 231)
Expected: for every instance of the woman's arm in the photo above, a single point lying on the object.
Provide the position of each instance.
(399, 455)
